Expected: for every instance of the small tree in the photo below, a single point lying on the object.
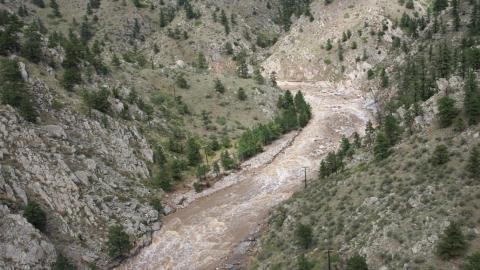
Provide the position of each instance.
(440, 155)
(473, 262)
(202, 61)
(304, 264)
(181, 81)
(118, 242)
(227, 162)
(452, 243)
(62, 263)
(446, 111)
(35, 215)
(219, 87)
(382, 147)
(304, 235)
(241, 95)
(357, 262)
(257, 76)
(193, 152)
(473, 166)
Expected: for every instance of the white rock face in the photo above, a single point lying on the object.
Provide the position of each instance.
(84, 175)
(21, 245)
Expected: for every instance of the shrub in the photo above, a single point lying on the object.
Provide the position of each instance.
(304, 235)
(357, 262)
(97, 100)
(62, 263)
(473, 166)
(446, 111)
(304, 264)
(473, 262)
(182, 82)
(452, 243)
(118, 242)
(35, 215)
(440, 155)
(14, 92)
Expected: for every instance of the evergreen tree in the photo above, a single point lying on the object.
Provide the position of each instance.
(452, 243)
(62, 263)
(118, 242)
(384, 81)
(473, 262)
(242, 69)
(345, 147)
(55, 8)
(182, 82)
(446, 111)
(304, 235)
(439, 5)
(35, 215)
(202, 61)
(257, 76)
(369, 133)
(472, 99)
(273, 78)
(304, 264)
(382, 147)
(473, 165)
(219, 87)
(39, 3)
(357, 262)
(228, 48)
(241, 95)
(392, 129)
(193, 152)
(329, 45)
(32, 48)
(456, 15)
(227, 162)
(224, 21)
(440, 155)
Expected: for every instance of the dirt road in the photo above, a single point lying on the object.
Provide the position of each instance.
(203, 233)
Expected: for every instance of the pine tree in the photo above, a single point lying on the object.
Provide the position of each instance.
(446, 111)
(382, 147)
(35, 215)
(452, 243)
(118, 242)
(193, 152)
(55, 7)
(384, 81)
(202, 61)
(392, 129)
(39, 3)
(456, 15)
(304, 235)
(219, 87)
(241, 95)
(440, 155)
(273, 78)
(242, 69)
(473, 262)
(257, 76)
(329, 45)
(357, 262)
(472, 99)
(32, 48)
(369, 133)
(439, 5)
(224, 20)
(473, 166)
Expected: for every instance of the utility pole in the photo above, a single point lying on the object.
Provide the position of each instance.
(305, 174)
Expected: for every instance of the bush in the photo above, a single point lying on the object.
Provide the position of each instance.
(452, 243)
(446, 111)
(357, 262)
(473, 166)
(62, 263)
(304, 235)
(14, 92)
(440, 155)
(35, 215)
(304, 264)
(241, 95)
(473, 262)
(118, 242)
(97, 100)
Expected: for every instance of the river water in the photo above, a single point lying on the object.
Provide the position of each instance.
(203, 234)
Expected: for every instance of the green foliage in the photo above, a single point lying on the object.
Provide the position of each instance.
(257, 76)
(304, 235)
(11, 25)
(292, 7)
(381, 149)
(39, 3)
(32, 49)
(384, 81)
(472, 100)
(97, 100)
(13, 90)
(452, 243)
(193, 152)
(62, 263)
(328, 45)
(473, 262)
(446, 111)
(440, 155)
(304, 264)
(219, 87)
(265, 40)
(333, 163)
(224, 21)
(202, 61)
(241, 95)
(157, 205)
(118, 242)
(181, 81)
(473, 166)
(392, 129)
(35, 215)
(357, 262)
(439, 5)
(227, 161)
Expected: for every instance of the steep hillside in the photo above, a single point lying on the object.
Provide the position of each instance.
(105, 105)
(404, 196)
